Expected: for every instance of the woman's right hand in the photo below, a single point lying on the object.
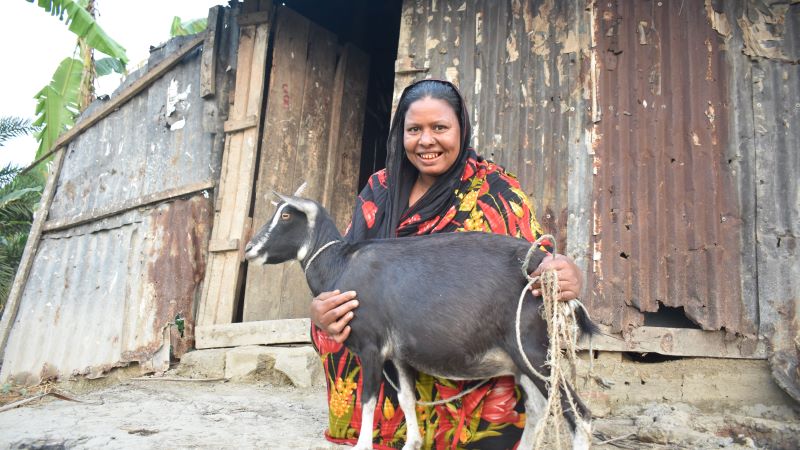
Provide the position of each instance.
(331, 312)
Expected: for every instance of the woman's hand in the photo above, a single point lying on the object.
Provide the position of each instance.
(570, 278)
(331, 311)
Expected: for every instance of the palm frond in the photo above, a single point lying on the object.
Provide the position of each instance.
(11, 127)
(11, 249)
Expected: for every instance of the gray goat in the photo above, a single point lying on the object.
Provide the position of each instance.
(444, 304)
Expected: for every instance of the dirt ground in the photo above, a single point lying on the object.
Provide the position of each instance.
(150, 414)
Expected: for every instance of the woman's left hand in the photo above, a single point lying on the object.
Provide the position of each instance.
(570, 278)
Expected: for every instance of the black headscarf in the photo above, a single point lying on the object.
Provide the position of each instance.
(401, 174)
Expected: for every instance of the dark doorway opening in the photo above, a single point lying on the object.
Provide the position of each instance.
(374, 27)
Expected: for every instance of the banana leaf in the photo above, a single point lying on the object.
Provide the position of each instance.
(82, 24)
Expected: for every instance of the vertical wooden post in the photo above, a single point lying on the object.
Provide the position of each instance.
(225, 273)
(31, 246)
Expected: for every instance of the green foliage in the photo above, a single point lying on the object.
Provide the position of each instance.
(186, 28)
(19, 198)
(58, 104)
(11, 127)
(84, 26)
(104, 66)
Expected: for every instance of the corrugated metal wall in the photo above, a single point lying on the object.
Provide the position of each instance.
(768, 35)
(101, 293)
(518, 65)
(658, 137)
(668, 221)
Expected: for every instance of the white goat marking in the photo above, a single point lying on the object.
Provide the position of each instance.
(254, 251)
(303, 251)
(367, 415)
(582, 436)
(535, 405)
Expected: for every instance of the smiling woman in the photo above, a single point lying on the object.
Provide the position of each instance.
(434, 182)
(431, 140)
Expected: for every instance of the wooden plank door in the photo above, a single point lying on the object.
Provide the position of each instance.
(224, 273)
(312, 133)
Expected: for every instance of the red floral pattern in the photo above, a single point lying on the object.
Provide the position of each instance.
(490, 417)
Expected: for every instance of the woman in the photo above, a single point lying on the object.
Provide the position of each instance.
(433, 183)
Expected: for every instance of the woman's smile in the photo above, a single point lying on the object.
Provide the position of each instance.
(431, 137)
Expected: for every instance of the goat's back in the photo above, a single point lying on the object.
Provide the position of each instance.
(450, 295)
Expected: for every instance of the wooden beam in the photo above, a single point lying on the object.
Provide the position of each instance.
(113, 210)
(115, 103)
(208, 65)
(225, 245)
(678, 342)
(224, 270)
(28, 255)
(233, 125)
(267, 332)
(254, 18)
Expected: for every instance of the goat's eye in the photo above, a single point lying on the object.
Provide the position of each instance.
(285, 216)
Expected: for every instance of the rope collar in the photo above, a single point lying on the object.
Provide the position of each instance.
(314, 256)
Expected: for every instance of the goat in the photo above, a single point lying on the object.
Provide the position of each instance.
(444, 304)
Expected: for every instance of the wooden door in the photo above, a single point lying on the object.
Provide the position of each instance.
(311, 133)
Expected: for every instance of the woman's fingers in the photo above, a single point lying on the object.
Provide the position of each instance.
(331, 311)
(569, 276)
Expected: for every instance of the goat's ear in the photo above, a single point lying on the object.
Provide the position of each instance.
(300, 190)
(307, 206)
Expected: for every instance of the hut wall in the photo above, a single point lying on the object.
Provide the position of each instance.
(657, 138)
(521, 66)
(124, 247)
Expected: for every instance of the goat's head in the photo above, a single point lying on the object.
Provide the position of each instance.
(287, 235)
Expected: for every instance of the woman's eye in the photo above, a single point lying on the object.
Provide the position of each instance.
(440, 128)
(285, 216)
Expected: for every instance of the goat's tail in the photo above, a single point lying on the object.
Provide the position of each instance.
(582, 316)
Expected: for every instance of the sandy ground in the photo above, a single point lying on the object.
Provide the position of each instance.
(178, 414)
(170, 414)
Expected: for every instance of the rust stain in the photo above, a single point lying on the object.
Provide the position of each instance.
(667, 342)
(660, 184)
(718, 21)
(762, 31)
(178, 268)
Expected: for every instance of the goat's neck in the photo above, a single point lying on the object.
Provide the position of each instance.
(325, 269)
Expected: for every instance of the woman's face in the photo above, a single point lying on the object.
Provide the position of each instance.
(431, 136)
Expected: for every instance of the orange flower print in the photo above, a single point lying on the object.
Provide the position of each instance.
(341, 397)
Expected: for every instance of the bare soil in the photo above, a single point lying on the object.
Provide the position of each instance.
(145, 414)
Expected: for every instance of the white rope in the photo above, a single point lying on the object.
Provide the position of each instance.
(444, 400)
(314, 256)
(531, 281)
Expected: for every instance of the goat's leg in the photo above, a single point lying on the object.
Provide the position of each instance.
(408, 402)
(535, 403)
(580, 420)
(371, 367)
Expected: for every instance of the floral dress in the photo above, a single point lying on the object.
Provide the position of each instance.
(491, 417)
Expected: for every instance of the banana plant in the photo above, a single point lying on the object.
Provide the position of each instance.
(180, 28)
(70, 91)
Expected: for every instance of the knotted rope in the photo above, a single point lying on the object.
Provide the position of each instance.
(562, 331)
